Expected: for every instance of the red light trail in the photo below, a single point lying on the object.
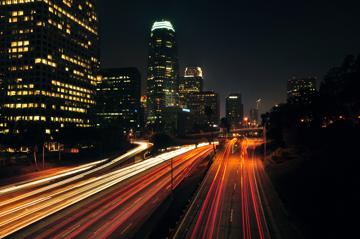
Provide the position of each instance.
(221, 209)
(122, 210)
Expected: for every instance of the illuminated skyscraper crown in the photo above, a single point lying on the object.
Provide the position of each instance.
(163, 25)
(193, 72)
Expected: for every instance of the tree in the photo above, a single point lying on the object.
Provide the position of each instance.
(161, 141)
(339, 90)
(209, 113)
(224, 123)
(338, 98)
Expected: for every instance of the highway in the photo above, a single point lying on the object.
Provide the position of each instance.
(234, 199)
(25, 209)
(30, 184)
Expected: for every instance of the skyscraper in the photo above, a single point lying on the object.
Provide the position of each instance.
(118, 99)
(205, 107)
(254, 116)
(163, 76)
(2, 95)
(192, 82)
(49, 56)
(301, 90)
(234, 110)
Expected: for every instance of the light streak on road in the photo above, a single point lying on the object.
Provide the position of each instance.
(72, 190)
(65, 173)
(141, 146)
(136, 198)
(220, 209)
(205, 224)
(254, 221)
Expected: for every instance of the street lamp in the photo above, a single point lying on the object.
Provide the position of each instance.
(172, 176)
(264, 135)
(246, 119)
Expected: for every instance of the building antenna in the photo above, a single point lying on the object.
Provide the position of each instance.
(258, 104)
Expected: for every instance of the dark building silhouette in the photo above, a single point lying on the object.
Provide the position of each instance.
(301, 90)
(2, 95)
(142, 113)
(234, 110)
(191, 82)
(162, 72)
(254, 115)
(49, 57)
(178, 121)
(118, 99)
(204, 107)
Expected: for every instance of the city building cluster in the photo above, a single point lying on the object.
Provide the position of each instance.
(176, 103)
(51, 78)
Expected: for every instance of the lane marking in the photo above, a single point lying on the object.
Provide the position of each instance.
(126, 228)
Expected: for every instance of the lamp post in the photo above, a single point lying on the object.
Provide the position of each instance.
(172, 176)
(246, 120)
(35, 159)
(264, 135)
(43, 156)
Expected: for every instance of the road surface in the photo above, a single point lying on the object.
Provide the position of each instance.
(120, 211)
(46, 179)
(235, 200)
(19, 210)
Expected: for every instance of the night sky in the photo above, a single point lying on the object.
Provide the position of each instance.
(251, 47)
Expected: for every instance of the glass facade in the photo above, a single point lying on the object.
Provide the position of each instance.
(234, 110)
(192, 82)
(118, 99)
(254, 116)
(205, 107)
(162, 72)
(49, 57)
(301, 90)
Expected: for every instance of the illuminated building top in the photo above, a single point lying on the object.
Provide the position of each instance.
(193, 72)
(163, 71)
(162, 25)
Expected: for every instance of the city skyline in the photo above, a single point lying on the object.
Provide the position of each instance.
(260, 47)
(132, 143)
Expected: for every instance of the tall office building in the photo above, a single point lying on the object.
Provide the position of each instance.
(142, 113)
(192, 82)
(204, 107)
(163, 76)
(2, 95)
(118, 99)
(301, 90)
(254, 116)
(234, 110)
(49, 56)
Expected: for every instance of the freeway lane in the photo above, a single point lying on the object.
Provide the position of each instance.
(124, 208)
(25, 209)
(28, 185)
(206, 212)
(47, 178)
(254, 221)
(235, 200)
